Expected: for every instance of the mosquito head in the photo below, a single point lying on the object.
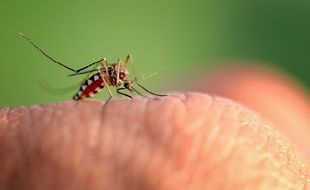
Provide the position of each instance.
(128, 85)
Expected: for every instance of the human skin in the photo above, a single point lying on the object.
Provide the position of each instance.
(182, 141)
(273, 95)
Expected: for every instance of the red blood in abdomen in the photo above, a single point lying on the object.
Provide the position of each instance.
(91, 89)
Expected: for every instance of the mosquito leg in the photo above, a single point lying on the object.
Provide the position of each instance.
(102, 75)
(109, 90)
(94, 63)
(136, 91)
(58, 62)
(87, 77)
(153, 93)
(118, 69)
(128, 58)
(104, 64)
(107, 101)
(121, 93)
(45, 54)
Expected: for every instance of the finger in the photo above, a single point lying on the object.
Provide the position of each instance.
(189, 141)
(274, 96)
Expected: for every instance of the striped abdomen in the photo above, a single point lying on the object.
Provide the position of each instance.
(90, 87)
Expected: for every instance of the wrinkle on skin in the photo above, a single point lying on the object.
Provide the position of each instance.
(183, 141)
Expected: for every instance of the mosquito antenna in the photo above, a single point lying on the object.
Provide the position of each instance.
(144, 77)
(45, 54)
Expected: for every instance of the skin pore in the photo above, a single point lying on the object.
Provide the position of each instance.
(182, 141)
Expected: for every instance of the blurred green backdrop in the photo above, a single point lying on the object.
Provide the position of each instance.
(172, 38)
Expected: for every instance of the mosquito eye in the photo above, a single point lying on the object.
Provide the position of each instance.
(126, 85)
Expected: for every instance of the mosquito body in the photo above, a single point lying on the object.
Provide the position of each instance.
(102, 74)
(113, 76)
(91, 86)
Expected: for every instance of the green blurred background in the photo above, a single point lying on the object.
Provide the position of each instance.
(173, 38)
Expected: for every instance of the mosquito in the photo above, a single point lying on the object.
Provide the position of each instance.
(101, 74)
